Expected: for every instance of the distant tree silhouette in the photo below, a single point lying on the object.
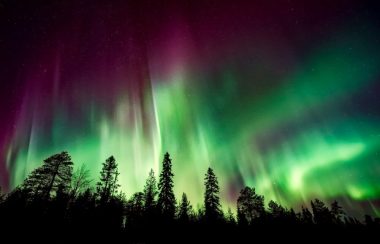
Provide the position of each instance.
(1, 195)
(184, 210)
(276, 211)
(371, 222)
(230, 218)
(368, 220)
(150, 193)
(135, 210)
(108, 184)
(322, 214)
(55, 200)
(337, 213)
(250, 206)
(166, 199)
(200, 213)
(13, 210)
(351, 221)
(83, 211)
(213, 210)
(114, 210)
(55, 171)
(80, 181)
(290, 217)
(307, 216)
(58, 208)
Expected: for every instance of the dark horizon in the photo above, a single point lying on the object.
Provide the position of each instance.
(63, 204)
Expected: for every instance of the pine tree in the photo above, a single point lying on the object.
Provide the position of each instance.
(135, 209)
(184, 209)
(337, 212)
(166, 199)
(250, 206)
(230, 218)
(322, 214)
(55, 171)
(213, 210)
(108, 184)
(307, 216)
(277, 212)
(150, 193)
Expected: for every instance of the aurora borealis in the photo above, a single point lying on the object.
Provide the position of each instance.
(282, 96)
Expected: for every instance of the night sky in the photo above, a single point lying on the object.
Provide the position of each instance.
(283, 96)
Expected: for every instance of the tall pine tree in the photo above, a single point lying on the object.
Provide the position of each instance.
(213, 210)
(166, 198)
(108, 184)
(56, 171)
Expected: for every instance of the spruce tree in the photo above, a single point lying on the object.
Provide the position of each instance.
(213, 210)
(322, 214)
(108, 185)
(337, 212)
(307, 216)
(166, 198)
(230, 218)
(184, 209)
(150, 193)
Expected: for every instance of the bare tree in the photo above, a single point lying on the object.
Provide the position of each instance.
(80, 181)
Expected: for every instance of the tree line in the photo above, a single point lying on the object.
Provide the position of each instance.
(55, 198)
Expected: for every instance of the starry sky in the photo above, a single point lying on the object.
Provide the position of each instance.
(282, 96)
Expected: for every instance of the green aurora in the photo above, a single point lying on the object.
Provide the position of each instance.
(294, 136)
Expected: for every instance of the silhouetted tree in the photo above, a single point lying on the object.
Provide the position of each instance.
(213, 210)
(83, 211)
(150, 193)
(135, 209)
(80, 181)
(307, 216)
(322, 214)
(230, 218)
(166, 199)
(200, 213)
(58, 208)
(351, 221)
(250, 206)
(290, 217)
(15, 212)
(184, 210)
(55, 170)
(337, 213)
(276, 211)
(1, 195)
(371, 222)
(48, 201)
(368, 220)
(115, 212)
(108, 184)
